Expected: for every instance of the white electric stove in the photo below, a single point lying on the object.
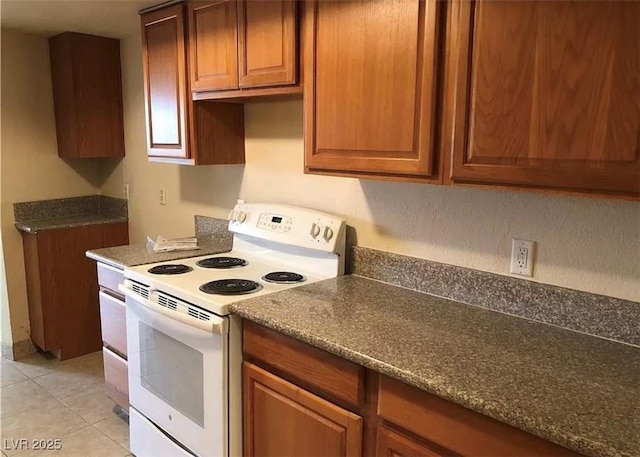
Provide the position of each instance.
(184, 346)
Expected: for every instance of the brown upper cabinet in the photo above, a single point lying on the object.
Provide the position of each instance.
(180, 130)
(87, 95)
(370, 88)
(242, 44)
(545, 94)
(213, 49)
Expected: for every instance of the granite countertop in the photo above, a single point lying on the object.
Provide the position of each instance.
(570, 388)
(78, 220)
(137, 254)
(59, 213)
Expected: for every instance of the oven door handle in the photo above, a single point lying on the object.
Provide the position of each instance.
(214, 324)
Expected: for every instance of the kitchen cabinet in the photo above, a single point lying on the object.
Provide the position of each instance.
(370, 88)
(393, 444)
(267, 43)
(241, 45)
(545, 94)
(116, 378)
(87, 95)
(213, 45)
(62, 287)
(444, 424)
(306, 424)
(319, 395)
(366, 412)
(113, 323)
(180, 130)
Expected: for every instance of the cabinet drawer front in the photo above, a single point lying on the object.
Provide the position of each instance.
(393, 444)
(113, 320)
(314, 367)
(446, 423)
(116, 378)
(109, 277)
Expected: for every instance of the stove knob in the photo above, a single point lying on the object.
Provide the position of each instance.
(232, 216)
(328, 233)
(242, 216)
(315, 230)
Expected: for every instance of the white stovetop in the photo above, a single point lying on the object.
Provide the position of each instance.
(186, 286)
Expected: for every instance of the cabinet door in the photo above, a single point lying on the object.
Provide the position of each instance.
(213, 45)
(393, 444)
(267, 42)
(165, 84)
(281, 419)
(63, 294)
(370, 86)
(87, 95)
(546, 94)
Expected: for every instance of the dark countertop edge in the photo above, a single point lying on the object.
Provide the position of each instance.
(27, 226)
(492, 410)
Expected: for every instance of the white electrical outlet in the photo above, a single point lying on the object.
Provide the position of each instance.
(126, 191)
(522, 257)
(163, 195)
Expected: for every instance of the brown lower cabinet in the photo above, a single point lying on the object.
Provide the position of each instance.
(391, 443)
(295, 405)
(283, 419)
(62, 287)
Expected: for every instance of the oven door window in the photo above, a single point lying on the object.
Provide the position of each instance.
(172, 371)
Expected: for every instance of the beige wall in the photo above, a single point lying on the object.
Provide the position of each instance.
(31, 168)
(6, 338)
(583, 243)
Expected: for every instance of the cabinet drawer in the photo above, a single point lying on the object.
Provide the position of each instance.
(446, 423)
(113, 320)
(392, 443)
(313, 367)
(116, 378)
(109, 277)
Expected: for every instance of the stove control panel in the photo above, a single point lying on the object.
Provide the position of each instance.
(290, 225)
(275, 222)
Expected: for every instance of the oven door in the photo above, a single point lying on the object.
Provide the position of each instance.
(178, 373)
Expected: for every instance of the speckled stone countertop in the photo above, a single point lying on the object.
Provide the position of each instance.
(77, 220)
(137, 254)
(213, 238)
(35, 216)
(573, 389)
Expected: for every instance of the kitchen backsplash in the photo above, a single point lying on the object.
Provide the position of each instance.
(594, 314)
(113, 206)
(73, 206)
(212, 227)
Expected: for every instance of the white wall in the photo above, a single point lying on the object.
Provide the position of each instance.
(31, 168)
(583, 243)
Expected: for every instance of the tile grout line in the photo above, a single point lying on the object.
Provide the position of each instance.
(26, 410)
(126, 450)
(64, 403)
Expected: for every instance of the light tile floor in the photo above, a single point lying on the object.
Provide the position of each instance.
(42, 398)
